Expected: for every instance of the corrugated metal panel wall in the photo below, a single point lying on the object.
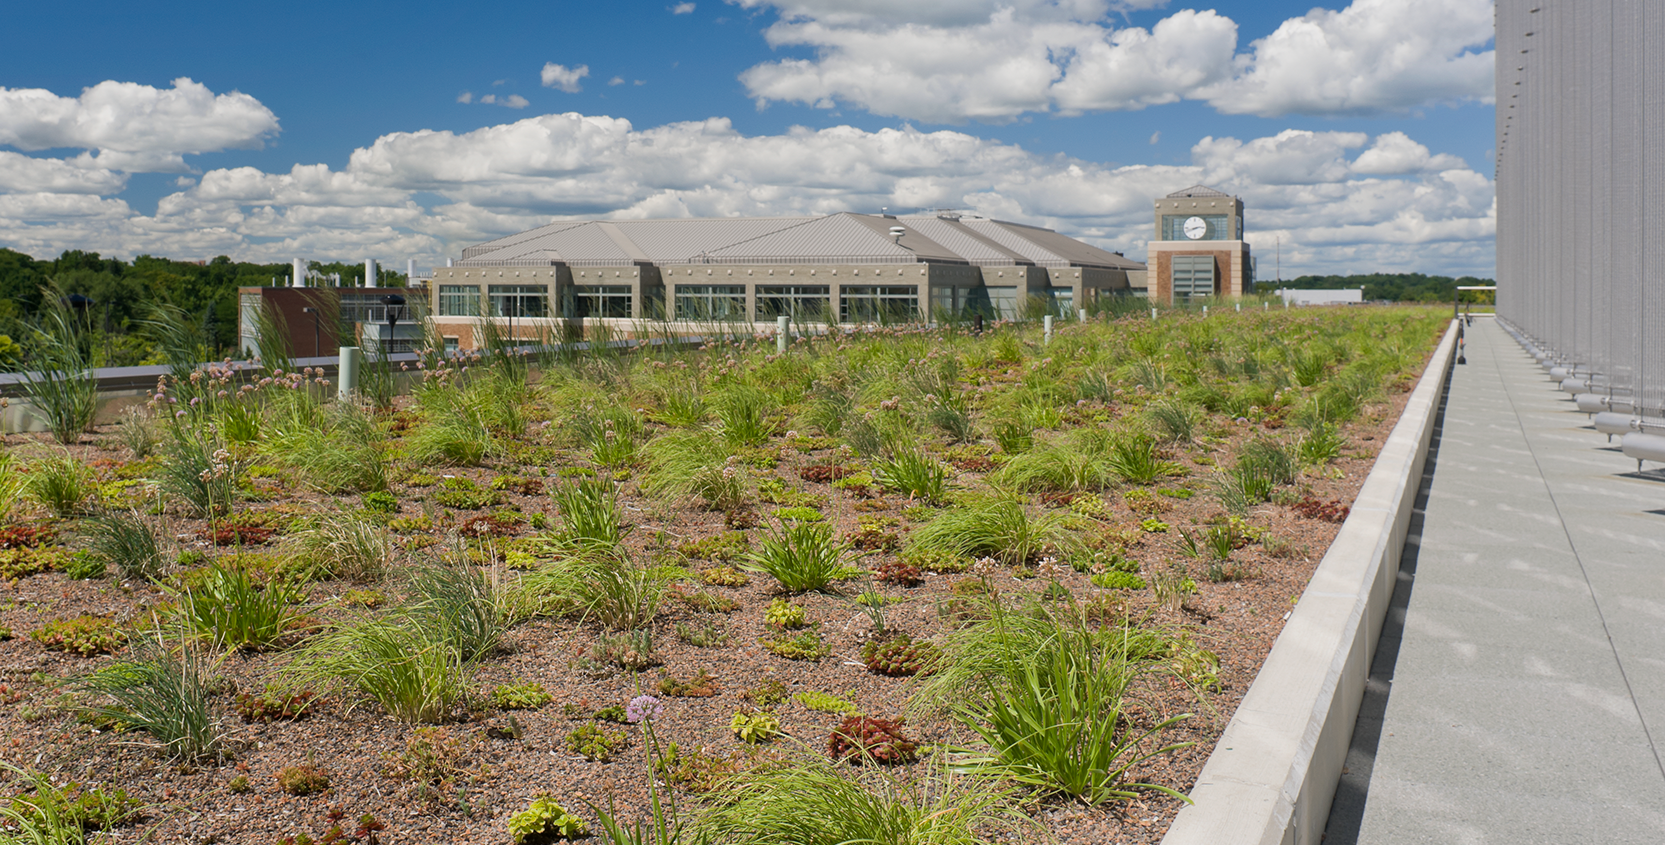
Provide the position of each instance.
(1581, 134)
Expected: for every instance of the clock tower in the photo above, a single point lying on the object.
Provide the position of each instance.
(1199, 248)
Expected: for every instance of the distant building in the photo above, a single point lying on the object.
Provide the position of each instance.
(838, 268)
(1199, 248)
(1340, 296)
(316, 318)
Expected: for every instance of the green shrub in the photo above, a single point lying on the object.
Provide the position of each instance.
(800, 556)
(608, 587)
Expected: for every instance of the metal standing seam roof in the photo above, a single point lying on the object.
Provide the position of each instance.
(976, 248)
(844, 238)
(581, 245)
(1198, 191)
(683, 241)
(1074, 253)
(518, 237)
(836, 239)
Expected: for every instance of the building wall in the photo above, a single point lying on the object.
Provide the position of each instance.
(290, 304)
(1231, 266)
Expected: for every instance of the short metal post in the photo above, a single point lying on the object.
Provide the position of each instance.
(1205, 310)
(1239, 307)
(1153, 313)
(346, 373)
(1046, 326)
(1083, 315)
(780, 332)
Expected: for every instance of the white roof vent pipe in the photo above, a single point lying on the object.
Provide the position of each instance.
(410, 271)
(297, 275)
(370, 273)
(1643, 447)
(896, 233)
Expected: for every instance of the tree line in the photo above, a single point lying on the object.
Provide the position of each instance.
(1393, 287)
(112, 297)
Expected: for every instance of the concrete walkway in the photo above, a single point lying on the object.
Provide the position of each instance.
(1518, 693)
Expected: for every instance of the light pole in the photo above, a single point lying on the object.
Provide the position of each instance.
(392, 301)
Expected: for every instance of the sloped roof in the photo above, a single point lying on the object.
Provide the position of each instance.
(844, 238)
(836, 239)
(1198, 191)
(975, 248)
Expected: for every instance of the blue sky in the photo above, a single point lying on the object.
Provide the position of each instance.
(1358, 136)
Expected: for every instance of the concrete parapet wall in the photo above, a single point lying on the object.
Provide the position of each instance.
(1274, 771)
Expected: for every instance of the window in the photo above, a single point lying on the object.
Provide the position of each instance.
(711, 302)
(451, 345)
(600, 301)
(1173, 227)
(802, 303)
(1193, 275)
(459, 301)
(518, 300)
(951, 302)
(879, 304)
(1063, 301)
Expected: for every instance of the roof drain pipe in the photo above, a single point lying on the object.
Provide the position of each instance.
(1593, 403)
(1642, 445)
(1614, 422)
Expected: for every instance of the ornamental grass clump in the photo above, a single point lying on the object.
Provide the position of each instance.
(164, 689)
(1045, 691)
(61, 483)
(800, 556)
(913, 472)
(812, 801)
(128, 542)
(412, 671)
(232, 610)
(590, 512)
(341, 545)
(999, 527)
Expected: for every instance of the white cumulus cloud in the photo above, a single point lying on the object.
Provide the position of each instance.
(135, 127)
(563, 78)
(1375, 55)
(1329, 196)
(682, 9)
(947, 61)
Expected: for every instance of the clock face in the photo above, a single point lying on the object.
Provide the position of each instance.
(1195, 228)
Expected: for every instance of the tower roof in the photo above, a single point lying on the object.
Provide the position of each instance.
(1198, 191)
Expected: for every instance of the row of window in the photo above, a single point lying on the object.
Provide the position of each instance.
(802, 303)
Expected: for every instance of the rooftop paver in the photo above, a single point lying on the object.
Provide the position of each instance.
(1518, 693)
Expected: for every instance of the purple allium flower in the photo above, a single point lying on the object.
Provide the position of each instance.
(643, 708)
